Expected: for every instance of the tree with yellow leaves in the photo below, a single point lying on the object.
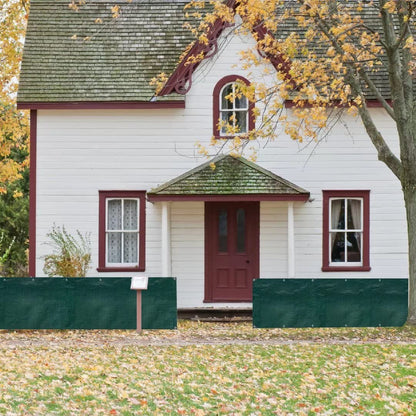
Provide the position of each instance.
(14, 133)
(329, 54)
(13, 124)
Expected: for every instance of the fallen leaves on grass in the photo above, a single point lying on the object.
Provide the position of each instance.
(87, 373)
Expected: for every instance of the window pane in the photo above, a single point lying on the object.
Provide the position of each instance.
(114, 214)
(227, 103)
(130, 214)
(240, 102)
(241, 230)
(114, 247)
(222, 231)
(241, 121)
(225, 118)
(337, 247)
(130, 247)
(353, 247)
(354, 214)
(338, 214)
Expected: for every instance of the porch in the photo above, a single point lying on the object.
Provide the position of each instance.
(223, 224)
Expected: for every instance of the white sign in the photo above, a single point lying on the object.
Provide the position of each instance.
(139, 282)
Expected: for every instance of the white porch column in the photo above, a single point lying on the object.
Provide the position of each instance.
(290, 241)
(166, 250)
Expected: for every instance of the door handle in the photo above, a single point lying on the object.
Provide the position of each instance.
(247, 261)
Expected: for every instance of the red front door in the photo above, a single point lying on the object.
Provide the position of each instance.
(231, 250)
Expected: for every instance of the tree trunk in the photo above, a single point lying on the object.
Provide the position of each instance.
(410, 202)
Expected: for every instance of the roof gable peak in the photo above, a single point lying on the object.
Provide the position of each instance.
(180, 81)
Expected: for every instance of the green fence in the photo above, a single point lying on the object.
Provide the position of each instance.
(85, 303)
(300, 303)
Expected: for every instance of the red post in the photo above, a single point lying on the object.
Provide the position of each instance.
(139, 310)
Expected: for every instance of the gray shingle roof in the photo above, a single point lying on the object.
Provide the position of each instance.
(121, 56)
(231, 176)
(116, 64)
(370, 15)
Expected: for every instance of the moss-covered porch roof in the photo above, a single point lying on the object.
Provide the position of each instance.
(231, 178)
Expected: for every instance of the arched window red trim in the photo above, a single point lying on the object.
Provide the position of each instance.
(216, 103)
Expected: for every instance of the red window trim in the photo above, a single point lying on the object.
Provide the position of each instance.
(216, 104)
(103, 196)
(365, 195)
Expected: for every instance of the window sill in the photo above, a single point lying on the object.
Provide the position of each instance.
(216, 137)
(120, 269)
(346, 268)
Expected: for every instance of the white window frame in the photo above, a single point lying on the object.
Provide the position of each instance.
(122, 232)
(345, 231)
(233, 110)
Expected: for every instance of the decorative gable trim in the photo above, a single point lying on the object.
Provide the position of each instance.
(180, 80)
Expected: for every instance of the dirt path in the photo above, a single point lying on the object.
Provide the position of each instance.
(197, 333)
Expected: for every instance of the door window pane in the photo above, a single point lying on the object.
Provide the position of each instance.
(223, 231)
(241, 230)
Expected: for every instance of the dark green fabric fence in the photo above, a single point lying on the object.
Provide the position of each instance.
(300, 303)
(85, 303)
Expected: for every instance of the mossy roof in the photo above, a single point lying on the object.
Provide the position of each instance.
(228, 175)
(371, 17)
(70, 57)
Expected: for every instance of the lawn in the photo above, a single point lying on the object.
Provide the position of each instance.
(209, 369)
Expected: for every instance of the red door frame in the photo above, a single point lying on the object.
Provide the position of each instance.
(253, 223)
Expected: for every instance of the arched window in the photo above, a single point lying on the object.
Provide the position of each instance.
(232, 110)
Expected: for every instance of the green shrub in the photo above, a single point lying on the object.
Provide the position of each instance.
(71, 256)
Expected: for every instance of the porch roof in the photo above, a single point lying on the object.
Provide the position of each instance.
(232, 179)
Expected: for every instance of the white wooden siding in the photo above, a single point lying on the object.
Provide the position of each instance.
(82, 152)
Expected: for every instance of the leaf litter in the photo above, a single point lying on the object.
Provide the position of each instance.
(209, 369)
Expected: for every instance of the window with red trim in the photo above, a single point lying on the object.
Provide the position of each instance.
(233, 113)
(122, 231)
(346, 225)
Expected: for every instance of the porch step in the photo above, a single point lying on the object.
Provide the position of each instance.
(216, 315)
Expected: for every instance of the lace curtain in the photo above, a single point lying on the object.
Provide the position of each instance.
(122, 227)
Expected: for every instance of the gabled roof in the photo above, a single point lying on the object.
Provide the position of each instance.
(68, 57)
(111, 61)
(227, 176)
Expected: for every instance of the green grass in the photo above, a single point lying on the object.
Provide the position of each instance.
(209, 379)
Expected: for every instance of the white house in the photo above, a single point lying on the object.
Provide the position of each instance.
(110, 158)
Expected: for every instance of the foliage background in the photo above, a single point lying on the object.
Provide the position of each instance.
(14, 135)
